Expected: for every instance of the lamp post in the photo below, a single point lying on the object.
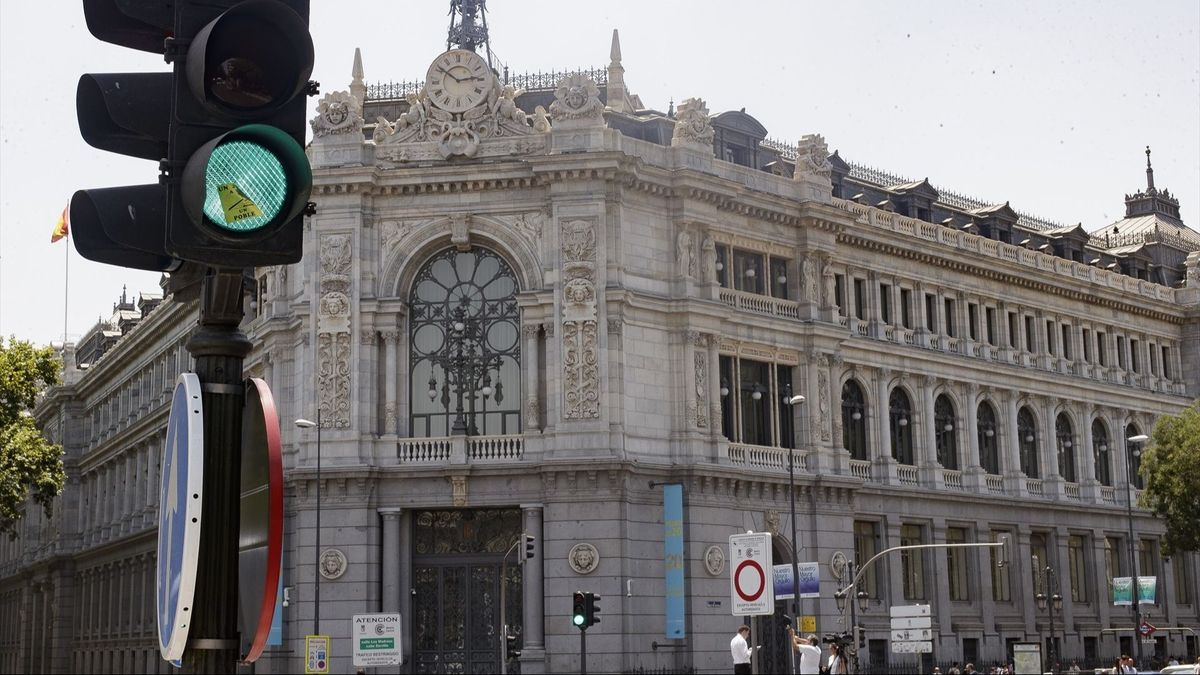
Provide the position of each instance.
(792, 402)
(1134, 445)
(1053, 602)
(467, 364)
(306, 424)
(861, 602)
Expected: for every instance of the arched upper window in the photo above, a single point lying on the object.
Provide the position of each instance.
(1100, 453)
(854, 420)
(1027, 442)
(1064, 436)
(1133, 455)
(946, 432)
(465, 354)
(989, 454)
(900, 416)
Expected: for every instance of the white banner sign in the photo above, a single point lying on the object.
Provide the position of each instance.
(751, 588)
(912, 647)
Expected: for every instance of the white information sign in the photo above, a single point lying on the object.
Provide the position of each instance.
(912, 647)
(912, 629)
(913, 635)
(900, 611)
(751, 590)
(912, 622)
(376, 639)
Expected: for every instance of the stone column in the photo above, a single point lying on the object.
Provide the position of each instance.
(714, 389)
(930, 470)
(983, 575)
(874, 306)
(940, 595)
(391, 342)
(1058, 553)
(533, 650)
(1022, 575)
(1053, 484)
(401, 375)
(884, 463)
(404, 579)
(1086, 457)
(390, 558)
(529, 359)
(1010, 449)
(973, 473)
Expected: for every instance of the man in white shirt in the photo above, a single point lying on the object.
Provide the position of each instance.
(740, 650)
(810, 653)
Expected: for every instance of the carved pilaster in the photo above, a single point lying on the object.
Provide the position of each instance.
(580, 342)
(333, 331)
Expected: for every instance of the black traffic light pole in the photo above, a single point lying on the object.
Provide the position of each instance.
(218, 347)
(583, 651)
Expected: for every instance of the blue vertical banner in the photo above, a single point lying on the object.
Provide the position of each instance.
(673, 560)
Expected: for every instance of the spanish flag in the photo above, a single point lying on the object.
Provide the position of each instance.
(60, 228)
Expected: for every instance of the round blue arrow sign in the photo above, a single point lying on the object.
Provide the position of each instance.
(179, 505)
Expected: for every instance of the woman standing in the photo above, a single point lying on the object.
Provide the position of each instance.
(837, 662)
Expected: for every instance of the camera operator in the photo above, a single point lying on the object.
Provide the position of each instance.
(810, 653)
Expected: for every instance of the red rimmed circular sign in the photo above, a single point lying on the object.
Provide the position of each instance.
(261, 550)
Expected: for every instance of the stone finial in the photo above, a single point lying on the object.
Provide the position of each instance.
(614, 52)
(618, 96)
(357, 89)
(693, 128)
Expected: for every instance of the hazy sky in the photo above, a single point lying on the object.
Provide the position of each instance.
(1047, 105)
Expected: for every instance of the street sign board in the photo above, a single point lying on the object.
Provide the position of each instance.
(899, 611)
(1027, 658)
(376, 639)
(751, 589)
(810, 586)
(912, 622)
(923, 647)
(181, 497)
(261, 511)
(912, 635)
(316, 654)
(1145, 629)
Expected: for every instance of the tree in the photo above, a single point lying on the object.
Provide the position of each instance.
(29, 464)
(1171, 474)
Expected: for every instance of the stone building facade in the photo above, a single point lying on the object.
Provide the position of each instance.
(522, 313)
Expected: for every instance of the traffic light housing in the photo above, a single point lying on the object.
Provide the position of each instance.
(862, 636)
(529, 549)
(239, 180)
(592, 609)
(579, 608)
(128, 114)
(511, 651)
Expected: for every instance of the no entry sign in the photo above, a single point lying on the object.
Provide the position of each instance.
(751, 591)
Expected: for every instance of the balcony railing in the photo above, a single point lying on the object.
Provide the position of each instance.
(760, 304)
(860, 468)
(1108, 494)
(1072, 491)
(995, 484)
(907, 474)
(1034, 486)
(423, 450)
(476, 448)
(763, 457)
(495, 447)
(953, 479)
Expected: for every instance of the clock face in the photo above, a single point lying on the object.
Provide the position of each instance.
(458, 80)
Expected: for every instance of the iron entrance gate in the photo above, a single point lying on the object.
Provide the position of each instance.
(457, 563)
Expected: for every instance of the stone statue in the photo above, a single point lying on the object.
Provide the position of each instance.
(709, 259)
(685, 259)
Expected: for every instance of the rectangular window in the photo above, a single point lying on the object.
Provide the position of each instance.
(1166, 359)
(1030, 338)
(839, 291)
(1148, 564)
(1077, 558)
(1121, 352)
(1000, 580)
(1183, 577)
(1134, 362)
(860, 298)
(973, 320)
(885, 303)
(779, 278)
(912, 563)
(748, 272)
(1087, 346)
(1153, 364)
(949, 318)
(956, 563)
(723, 266)
(1014, 337)
(1050, 338)
(930, 311)
(1066, 341)
(991, 326)
(906, 308)
(1101, 348)
(866, 545)
(1112, 562)
(1038, 560)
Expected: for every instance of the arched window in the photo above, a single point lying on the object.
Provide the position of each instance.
(946, 433)
(465, 354)
(1027, 442)
(985, 422)
(1065, 444)
(1100, 446)
(854, 420)
(1133, 455)
(900, 414)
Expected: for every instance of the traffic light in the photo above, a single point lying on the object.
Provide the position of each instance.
(529, 550)
(592, 609)
(862, 636)
(579, 610)
(129, 114)
(239, 181)
(510, 647)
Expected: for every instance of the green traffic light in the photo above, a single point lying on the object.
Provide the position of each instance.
(245, 186)
(578, 619)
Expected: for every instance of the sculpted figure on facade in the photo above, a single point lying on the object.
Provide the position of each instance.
(692, 126)
(829, 283)
(701, 358)
(812, 157)
(577, 103)
(685, 257)
(337, 113)
(808, 278)
(708, 255)
(823, 397)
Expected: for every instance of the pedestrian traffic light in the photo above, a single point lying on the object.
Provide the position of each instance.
(593, 609)
(239, 181)
(510, 647)
(129, 114)
(529, 550)
(579, 610)
(862, 636)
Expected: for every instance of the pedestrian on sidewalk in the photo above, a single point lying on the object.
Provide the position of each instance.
(739, 648)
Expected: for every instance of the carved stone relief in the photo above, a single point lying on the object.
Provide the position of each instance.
(714, 560)
(701, 388)
(334, 331)
(333, 563)
(708, 257)
(338, 113)
(583, 558)
(576, 103)
(692, 126)
(685, 255)
(809, 289)
(823, 396)
(581, 377)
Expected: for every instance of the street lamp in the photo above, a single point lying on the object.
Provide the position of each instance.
(467, 364)
(1053, 603)
(793, 401)
(1134, 443)
(306, 424)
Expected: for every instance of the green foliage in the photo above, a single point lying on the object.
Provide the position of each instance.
(1171, 474)
(29, 464)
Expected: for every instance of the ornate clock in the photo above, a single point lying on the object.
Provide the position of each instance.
(458, 80)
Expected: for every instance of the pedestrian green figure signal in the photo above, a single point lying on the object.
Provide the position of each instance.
(579, 610)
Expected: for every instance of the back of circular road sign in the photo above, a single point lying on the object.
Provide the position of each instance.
(261, 535)
(179, 505)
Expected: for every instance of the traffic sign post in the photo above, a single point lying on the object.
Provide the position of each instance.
(376, 639)
(181, 500)
(912, 629)
(316, 654)
(751, 588)
(1145, 629)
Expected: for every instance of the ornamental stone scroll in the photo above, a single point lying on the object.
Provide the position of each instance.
(580, 341)
(333, 330)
